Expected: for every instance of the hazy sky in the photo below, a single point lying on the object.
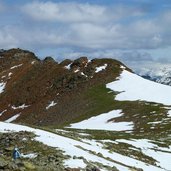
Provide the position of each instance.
(131, 30)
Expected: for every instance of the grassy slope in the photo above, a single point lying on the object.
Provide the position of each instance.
(101, 100)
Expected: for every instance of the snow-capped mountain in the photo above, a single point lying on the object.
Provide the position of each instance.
(159, 74)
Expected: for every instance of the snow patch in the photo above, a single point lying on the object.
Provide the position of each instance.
(77, 70)
(52, 103)
(9, 74)
(23, 106)
(100, 122)
(82, 73)
(73, 163)
(100, 68)
(3, 76)
(2, 87)
(3, 112)
(133, 87)
(30, 156)
(68, 67)
(154, 123)
(160, 154)
(16, 66)
(33, 62)
(169, 113)
(122, 67)
(13, 118)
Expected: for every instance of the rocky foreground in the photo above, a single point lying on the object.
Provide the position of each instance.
(34, 155)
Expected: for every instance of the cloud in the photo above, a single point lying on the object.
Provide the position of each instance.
(78, 12)
(65, 12)
(88, 26)
(138, 35)
(68, 30)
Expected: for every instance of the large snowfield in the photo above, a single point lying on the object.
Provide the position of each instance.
(133, 87)
(101, 122)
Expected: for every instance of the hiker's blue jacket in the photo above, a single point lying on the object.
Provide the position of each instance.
(16, 154)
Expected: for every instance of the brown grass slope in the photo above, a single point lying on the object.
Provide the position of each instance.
(36, 83)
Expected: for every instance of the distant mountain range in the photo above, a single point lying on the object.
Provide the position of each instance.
(159, 74)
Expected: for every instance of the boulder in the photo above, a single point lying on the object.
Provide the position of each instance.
(80, 62)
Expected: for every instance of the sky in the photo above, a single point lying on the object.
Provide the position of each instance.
(133, 31)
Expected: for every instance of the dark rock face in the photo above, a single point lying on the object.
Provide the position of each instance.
(80, 62)
(33, 84)
(49, 59)
(66, 62)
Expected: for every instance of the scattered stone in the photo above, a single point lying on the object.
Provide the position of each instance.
(29, 165)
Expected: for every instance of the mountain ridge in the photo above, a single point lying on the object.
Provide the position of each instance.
(36, 83)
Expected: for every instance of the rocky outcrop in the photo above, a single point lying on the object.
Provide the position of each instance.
(49, 59)
(45, 158)
(34, 155)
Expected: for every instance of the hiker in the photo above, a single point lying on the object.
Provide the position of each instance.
(16, 153)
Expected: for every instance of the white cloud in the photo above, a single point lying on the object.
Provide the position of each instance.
(78, 12)
(65, 12)
(86, 29)
(83, 25)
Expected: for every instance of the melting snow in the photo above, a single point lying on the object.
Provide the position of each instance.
(3, 112)
(71, 148)
(122, 67)
(20, 107)
(3, 76)
(51, 105)
(13, 118)
(82, 73)
(16, 66)
(100, 122)
(153, 123)
(2, 87)
(68, 145)
(30, 156)
(160, 154)
(77, 70)
(133, 87)
(169, 113)
(73, 163)
(9, 74)
(33, 62)
(100, 68)
(68, 67)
